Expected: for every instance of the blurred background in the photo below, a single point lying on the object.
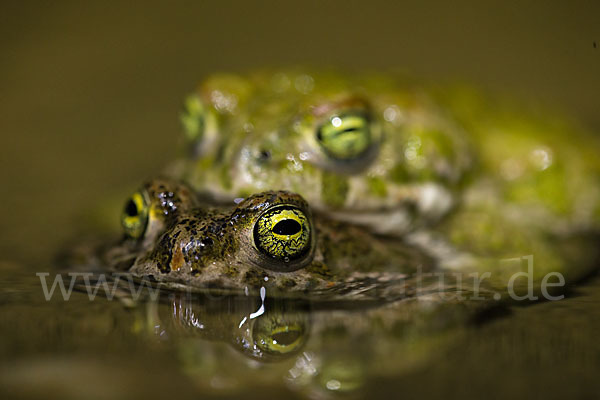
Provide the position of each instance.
(90, 91)
(89, 100)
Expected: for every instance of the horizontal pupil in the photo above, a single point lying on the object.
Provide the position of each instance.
(287, 227)
(286, 338)
(351, 129)
(131, 208)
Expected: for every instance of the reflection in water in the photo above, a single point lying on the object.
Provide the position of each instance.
(224, 342)
(200, 344)
(263, 329)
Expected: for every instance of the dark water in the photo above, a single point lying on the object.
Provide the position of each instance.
(190, 346)
(90, 95)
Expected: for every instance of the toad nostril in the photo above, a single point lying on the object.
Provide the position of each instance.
(264, 155)
(287, 227)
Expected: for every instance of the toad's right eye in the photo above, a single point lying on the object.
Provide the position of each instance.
(346, 136)
(283, 233)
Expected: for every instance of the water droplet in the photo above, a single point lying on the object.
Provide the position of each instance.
(541, 158)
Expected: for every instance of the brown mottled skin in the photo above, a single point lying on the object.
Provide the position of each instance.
(187, 245)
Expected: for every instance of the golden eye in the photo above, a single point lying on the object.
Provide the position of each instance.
(346, 136)
(279, 336)
(283, 232)
(135, 215)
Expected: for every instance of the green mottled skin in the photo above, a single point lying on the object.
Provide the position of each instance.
(257, 133)
(430, 147)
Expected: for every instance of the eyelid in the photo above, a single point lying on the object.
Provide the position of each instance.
(351, 116)
(349, 103)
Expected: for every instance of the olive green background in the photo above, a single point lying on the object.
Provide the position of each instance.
(90, 91)
(89, 97)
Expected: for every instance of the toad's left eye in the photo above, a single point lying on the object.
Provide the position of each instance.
(283, 232)
(193, 118)
(346, 136)
(135, 215)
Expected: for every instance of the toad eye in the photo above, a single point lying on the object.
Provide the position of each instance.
(283, 233)
(279, 335)
(193, 118)
(346, 136)
(135, 215)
